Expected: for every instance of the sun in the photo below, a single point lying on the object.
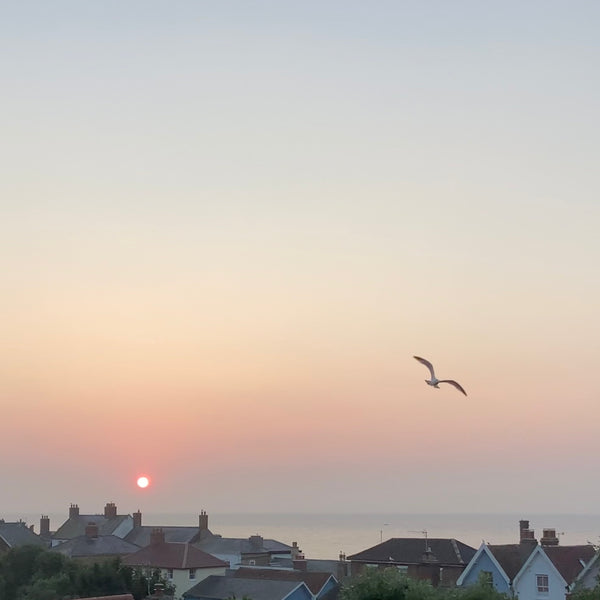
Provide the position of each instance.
(143, 481)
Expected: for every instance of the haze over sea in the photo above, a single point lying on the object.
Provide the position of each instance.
(326, 535)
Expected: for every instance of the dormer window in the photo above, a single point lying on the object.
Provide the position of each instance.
(192, 573)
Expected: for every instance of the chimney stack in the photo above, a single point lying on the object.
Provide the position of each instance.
(157, 536)
(256, 541)
(203, 520)
(73, 511)
(110, 510)
(299, 563)
(44, 526)
(549, 537)
(91, 530)
(137, 518)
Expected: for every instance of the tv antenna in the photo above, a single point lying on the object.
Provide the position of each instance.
(424, 533)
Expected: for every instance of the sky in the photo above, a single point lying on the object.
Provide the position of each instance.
(227, 227)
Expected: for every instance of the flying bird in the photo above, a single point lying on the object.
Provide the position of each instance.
(434, 380)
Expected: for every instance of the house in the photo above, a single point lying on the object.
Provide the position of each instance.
(251, 551)
(92, 547)
(181, 563)
(528, 569)
(340, 568)
(109, 523)
(437, 560)
(140, 534)
(14, 534)
(218, 587)
(589, 576)
(319, 584)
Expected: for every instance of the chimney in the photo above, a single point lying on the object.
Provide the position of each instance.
(203, 520)
(342, 567)
(91, 530)
(256, 541)
(137, 518)
(528, 537)
(523, 526)
(295, 550)
(549, 537)
(299, 563)
(44, 526)
(110, 510)
(73, 511)
(31, 528)
(157, 536)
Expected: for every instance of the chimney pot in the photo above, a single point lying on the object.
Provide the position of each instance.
(44, 526)
(110, 510)
(203, 520)
(73, 511)
(137, 518)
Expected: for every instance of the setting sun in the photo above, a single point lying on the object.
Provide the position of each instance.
(143, 481)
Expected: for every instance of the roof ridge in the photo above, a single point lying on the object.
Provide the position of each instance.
(185, 555)
(456, 549)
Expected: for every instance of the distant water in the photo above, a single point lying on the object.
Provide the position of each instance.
(325, 535)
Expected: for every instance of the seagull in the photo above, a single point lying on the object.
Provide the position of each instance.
(434, 380)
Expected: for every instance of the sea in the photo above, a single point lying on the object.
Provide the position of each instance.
(325, 536)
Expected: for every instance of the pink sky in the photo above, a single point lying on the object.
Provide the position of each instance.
(226, 235)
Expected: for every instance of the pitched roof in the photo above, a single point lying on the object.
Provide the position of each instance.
(570, 560)
(18, 534)
(314, 581)
(174, 555)
(220, 545)
(220, 587)
(103, 545)
(141, 535)
(447, 551)
(511, 557)
(75, 526)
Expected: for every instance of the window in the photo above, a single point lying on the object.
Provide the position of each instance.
(402, 569)
(542, 584)
(192, 573)
(169, 573)
(487, 578)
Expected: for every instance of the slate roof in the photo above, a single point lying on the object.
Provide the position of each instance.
(75, 526)
(18, 534)
(103, 545)
(314, 581)
(446, 551)
(218, 587)
(220, 545)
(511, 557)
(174, 555)
(570, 560)
(184, 534)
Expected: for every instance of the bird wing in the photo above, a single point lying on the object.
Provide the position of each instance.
(427, 364)
(454, 383)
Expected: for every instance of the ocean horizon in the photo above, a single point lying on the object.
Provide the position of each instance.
(325, 535)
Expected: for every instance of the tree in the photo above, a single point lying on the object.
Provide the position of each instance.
(386, 584)
(389, 584)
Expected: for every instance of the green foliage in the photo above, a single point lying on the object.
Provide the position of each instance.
(586, 593)
(34, 573)
(390, 584)
(386, 584)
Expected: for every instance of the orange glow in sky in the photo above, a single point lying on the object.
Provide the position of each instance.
(220, 253)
